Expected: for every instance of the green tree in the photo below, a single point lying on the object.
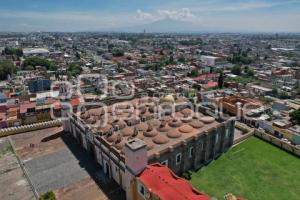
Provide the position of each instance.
(13, 51)
(194, 73)
(250, 72)
(117, 52)
(236, 70)
(6, 68)
(295, 116)
(74, 69)
(275, 92)
(37, 61)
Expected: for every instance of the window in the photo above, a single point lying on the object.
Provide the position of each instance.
(165, 163)
(191, 152)
(226, 133)
(217, 138)
(141, 190)
(178, 158)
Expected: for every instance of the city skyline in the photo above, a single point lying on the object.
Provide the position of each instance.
(116, 15)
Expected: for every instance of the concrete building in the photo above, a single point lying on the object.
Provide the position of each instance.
(125, 137)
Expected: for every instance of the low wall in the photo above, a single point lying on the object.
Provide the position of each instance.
(277, 142)
(244, 137)
(31, 127)
(244, 128)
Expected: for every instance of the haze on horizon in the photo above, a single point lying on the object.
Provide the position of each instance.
(134, 15)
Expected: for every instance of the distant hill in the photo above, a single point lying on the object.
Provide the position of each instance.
(164, 26)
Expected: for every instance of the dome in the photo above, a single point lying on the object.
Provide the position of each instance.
(196, 123)
(128, 131)
(120, 145)
(207, 119)
(186, 128)
(160, 139)
(105, 128)
(187, 112)
(168, 98)
(119, 123)
(175, 123)
(150, 145)
(154, 122)
(163, 127)
(186, 120)
(112, 137)
(142, 126)
(174, 133)
(150, 132)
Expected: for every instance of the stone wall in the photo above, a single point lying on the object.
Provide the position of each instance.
(31, 127)
(277, 142)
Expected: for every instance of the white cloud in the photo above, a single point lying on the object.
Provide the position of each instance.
(145, 16)
(183, 14)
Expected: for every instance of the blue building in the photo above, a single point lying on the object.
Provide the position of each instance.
(2, 98)
(39, 85)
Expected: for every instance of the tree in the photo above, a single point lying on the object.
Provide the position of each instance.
(74, 69)
(295, 116)
(275, 92)
(221, 80)
(284, 95)
(236, 70)
(181, 59)
(13, 51)
(250, 72)
(194, 73)
(6, 68)
(37, 61)
(117, 52)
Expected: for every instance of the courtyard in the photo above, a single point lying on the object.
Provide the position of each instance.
(55, 162)
(253, 169)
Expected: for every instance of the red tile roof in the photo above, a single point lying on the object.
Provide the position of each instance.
(206, 77)
(211, 84)
(75, 101)
(164, 183)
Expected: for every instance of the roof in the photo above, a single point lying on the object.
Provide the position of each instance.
(164, 183)
(261, 88)
(211, 84)
(206, 77)
(24, 107)
(75, 101)
(139, 114)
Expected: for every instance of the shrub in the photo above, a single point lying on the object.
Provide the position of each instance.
(48, 196)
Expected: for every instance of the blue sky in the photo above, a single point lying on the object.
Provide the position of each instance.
(93, 15)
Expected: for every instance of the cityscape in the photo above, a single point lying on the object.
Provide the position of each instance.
(139, 100)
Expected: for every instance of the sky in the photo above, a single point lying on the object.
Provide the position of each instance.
(101, 15)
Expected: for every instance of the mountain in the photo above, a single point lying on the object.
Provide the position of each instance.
(164, 26)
